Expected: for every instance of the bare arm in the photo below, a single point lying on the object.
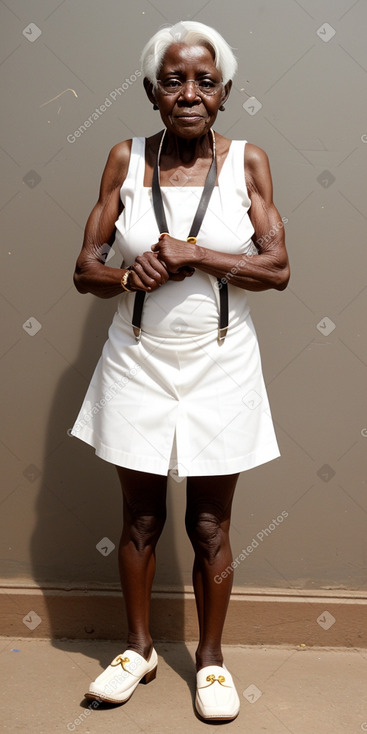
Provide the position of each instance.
(91, 274)
(270, 267)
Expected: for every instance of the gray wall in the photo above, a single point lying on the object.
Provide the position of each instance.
(57, 499)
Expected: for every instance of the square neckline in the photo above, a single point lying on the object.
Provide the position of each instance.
(188, 187)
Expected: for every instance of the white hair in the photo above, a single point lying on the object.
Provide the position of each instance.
(192, 33)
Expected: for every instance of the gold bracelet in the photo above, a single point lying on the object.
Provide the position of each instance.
(124, 280)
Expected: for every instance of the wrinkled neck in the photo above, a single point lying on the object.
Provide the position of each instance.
(186, 150)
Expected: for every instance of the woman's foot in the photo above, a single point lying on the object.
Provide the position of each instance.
(118, 682)
(216, 696)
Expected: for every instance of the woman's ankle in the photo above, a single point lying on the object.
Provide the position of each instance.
(208, 657)
(143, 646)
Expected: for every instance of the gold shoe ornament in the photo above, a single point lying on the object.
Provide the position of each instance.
(212, 679)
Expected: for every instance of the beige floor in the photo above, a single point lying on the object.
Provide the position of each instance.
(282, 690)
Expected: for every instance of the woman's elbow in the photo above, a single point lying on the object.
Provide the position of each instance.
(78, 281)
(282, 278)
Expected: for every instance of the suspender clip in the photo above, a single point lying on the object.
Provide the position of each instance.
(222, 334)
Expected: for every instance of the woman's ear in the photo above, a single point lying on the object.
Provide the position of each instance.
(148, 86)
(227, 89)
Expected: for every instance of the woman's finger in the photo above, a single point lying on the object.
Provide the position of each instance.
(150, 271)
(151, 266)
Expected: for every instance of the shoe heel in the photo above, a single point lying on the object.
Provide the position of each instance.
(149, 676)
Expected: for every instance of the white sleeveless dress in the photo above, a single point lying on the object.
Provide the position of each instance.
(178, 401)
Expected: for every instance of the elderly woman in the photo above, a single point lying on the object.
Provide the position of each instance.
(179, 388)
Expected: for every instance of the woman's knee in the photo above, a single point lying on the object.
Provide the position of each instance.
(144, 529)
(208, 533)
(208, 513)
(144, 507)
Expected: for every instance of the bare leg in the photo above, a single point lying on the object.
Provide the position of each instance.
(144, 514)
(208, 514)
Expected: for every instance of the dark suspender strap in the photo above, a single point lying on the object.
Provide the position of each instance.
(223, 310)
(223, 287)
(196, 224)
(204, 199)
(202, 206)
(162, 226)
(137, 313)
(158, 201)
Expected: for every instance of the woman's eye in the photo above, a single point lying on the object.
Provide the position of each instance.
(172, 83)
(206, 84)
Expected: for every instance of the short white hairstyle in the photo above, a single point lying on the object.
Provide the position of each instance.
(192, 33)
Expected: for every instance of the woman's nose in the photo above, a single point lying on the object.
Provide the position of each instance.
(189, 89)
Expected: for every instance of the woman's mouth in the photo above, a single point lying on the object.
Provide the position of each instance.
(189, 116)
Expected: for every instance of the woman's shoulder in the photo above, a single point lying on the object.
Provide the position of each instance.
(257, 168)
(253, 153)
(118, 163)
(255, 157)
(120, 152)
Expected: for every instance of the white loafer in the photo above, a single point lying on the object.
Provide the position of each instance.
(118, 682)
(216, 695)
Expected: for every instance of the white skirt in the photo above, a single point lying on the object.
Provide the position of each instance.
(182, 404)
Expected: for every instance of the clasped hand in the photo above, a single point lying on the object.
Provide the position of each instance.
(167, 261)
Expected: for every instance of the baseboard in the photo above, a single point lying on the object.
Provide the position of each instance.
(255, 616)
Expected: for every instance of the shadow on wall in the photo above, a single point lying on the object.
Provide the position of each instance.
(80, 505)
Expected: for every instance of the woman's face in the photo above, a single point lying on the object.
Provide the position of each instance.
(190, 113)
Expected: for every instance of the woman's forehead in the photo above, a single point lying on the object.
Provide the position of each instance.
(181, 54)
